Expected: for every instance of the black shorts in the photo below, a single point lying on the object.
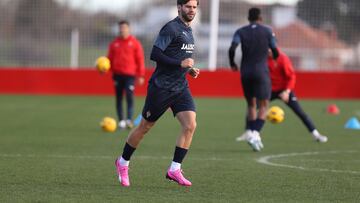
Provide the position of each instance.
(159, 100)
(275, 95)
(256, 85)
(124, 82)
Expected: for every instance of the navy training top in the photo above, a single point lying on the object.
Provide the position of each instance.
(176, 43)
(255, 40)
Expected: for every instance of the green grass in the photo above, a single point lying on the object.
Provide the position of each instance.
(52, 150)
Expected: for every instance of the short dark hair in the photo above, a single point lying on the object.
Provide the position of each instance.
(122, 22)
(254, 14)
(182, 2)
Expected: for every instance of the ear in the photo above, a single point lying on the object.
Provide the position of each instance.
(179, 7)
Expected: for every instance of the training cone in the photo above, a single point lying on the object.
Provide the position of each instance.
(333, 109)
(137, 120)
(353, 123)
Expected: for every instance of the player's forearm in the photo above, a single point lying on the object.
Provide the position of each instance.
(275, 52)
(140, 64)
(158, 55)
(140, 71)
(290, 85)
(289, 74)
(232, 54)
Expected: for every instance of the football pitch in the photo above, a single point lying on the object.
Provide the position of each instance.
(53, 150)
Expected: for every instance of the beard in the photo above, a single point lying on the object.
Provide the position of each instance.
(187, 17)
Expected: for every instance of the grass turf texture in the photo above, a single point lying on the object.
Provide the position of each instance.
(53, 150)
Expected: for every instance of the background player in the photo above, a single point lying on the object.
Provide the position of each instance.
(255, 40)
(168, 88)
(283, 83)
(127, 63)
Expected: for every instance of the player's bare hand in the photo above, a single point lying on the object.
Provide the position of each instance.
(194, 72)
(284, 95)
(140, 80)
(187, 63)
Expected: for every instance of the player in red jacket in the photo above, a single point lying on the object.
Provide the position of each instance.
(127, 64)
(283, 81)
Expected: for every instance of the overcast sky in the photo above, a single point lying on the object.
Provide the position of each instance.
(115, 5)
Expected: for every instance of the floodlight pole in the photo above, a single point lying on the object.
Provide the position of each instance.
(214, 29)
(74, 58)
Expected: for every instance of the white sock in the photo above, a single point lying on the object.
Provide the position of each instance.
(256, 134)
(175, 166)
(123, 162)
(315, 133)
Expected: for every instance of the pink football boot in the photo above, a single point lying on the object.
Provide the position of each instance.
(123, 174)
(178, 177)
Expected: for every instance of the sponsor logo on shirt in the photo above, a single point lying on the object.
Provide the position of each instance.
(188, 47)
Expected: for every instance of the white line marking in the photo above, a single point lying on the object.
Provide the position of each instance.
(325, 160)
(266, 160)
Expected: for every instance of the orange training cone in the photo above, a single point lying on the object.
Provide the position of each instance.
(333, 109)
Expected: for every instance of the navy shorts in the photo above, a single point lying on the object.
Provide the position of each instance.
(256, 85)
(159, 100)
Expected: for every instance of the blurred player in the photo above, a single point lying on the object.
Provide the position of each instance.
(168, 88)
(127, 64)
(283, 83)
(255, 40)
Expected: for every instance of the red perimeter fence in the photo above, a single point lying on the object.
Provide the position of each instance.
(221, 83)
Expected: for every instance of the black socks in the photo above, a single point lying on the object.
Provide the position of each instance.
(128, 151)
(179, 154)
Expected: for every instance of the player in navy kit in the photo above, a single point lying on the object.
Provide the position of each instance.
(168, 88)
(255, 40)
